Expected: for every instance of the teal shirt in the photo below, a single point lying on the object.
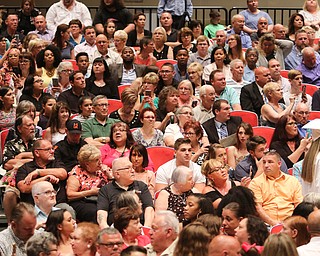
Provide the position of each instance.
(211, 29)
(93, 129)
(155, 102)
(230, 95)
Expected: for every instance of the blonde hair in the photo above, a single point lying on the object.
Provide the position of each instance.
(121, 34)
(87, 153)
(279, 244)
(151, 77)
(163, 31)
(129, 96)
(308, 165)
(188, 83)
(304, 7)
(209, 165)
(269, 88)
(197, 67)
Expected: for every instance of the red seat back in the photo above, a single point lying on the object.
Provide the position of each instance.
(160, 155)
(247, 116)
(114, 105)
(265, 132)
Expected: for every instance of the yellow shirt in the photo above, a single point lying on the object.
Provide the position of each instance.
(279, 196)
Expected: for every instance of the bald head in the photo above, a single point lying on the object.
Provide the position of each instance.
(279, 31)
(314, 223)
(262, 76)
(309, 57)
(224, 245)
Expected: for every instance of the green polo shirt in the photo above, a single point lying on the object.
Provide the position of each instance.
(92, 128)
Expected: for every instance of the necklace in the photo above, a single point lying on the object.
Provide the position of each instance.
(50, 73)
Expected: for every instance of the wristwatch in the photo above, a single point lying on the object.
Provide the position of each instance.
(104, 140)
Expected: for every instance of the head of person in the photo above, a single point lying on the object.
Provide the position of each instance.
(134, 250)
(100, 106)
(13, 57)
(43, 151)
(221, 109)
(271, 164)
(200, 236)
(193, 131)
(244, 133)
(164, 230)
(224, 245)
(221, 38)
(215, 17)
(251, 57)
(301, 39)
(295, 78)
(311, 32)
(196, 27)
(231, 216)
(24, 127)
(262, 25)
(50, 55)
(182, 147)
(62, 35)
(207, 95)
(237, 69)
(6, 98)
(75, 26)
(82, 59)
(146, 45)
(256, 146)
(147, 116)
(274, 67)
(182, 177)
(129, 98)
(182, 57)
(215, 171)
(303, 209)
(301, 113)
(40, 23)
(139, 156)
(185, 90)
(109, 242)
(44, 195)
(120, 39)
(90, 34)
(195, 71)
(310, 6)
(296, 21)
(102, 43)
(35, 46)
(279, 31)
(262, 76)
(286, 129)
(26, 61)
(99, 65)
(60, 223)
(166, 72)
(77, 81)
(185, 36)
(296, 228)
(42, 243)
(309, 57)
(139, 19)
(150, 81)
(127, 222)
(219, 54)
(218, 80)
(252, 230)
(33, 84)
(279, 244)
(313, 198)
(12, 21)
(68, 3)
(127, 55)
(211, 222)
(120, 133)
(122, 171)
(89, 158)
(272, 90)
(218, 152)
(27, 6)
(166, 19)
(237, 22)
(111, 4)
(196, 205)
(159, 35)
(128, 199)
(85, 106)
(314, 223)
(64, 70)
(26, 107)
(168, 96)
(234, 42)
(60, 114)
(84, 238)
(23, 221)
(267, 44)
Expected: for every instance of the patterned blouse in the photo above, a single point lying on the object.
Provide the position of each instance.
(157, 139)
(7, 120)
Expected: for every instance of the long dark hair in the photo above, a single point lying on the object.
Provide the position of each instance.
(28, 56)
(291, 29)
(28, 85)
(226, 61)
(141, 150)
(129, 141)
(106, 73)
(58, 40)
(54, 219)
(3, 91)
(280, 133)
(54, 121)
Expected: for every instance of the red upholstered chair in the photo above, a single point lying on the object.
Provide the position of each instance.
(284, 73)
(247, 116)
(122, 87)
(74, 64)
(310, 89)
(276, 229)
(114, 105)
(265, 132)
(161, 62)
(314, 115)
(160, 155)
(3, 137)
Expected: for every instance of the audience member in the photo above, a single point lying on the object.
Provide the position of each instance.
(82, 60)
(41, 243)
(7, 109)
(166, 22)
(211, 29)
(302, 114)
(296, 228)
(109, 242)
(203, 111)
(136, 35)
(296, 22)
(280, 244)
(180, 69)
(166, 75)
(162, 50)
(120, 38)
(237, 23)
(235, 50)
(224, 245)
(309, 66)
(76, 36)
(89, 45)
(279, 31)
(262, 28)
(251, 57)
(41, 29)
(202, 55)
(11, 30)
(236, 82)
(61, 40)
(197, 205)
(145, 56)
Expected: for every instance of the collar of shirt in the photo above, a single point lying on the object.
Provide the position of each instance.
(282, 176)
(218, 124)
(19, 242)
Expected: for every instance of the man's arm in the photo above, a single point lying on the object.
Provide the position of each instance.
(236, 106)
(264, 216)
(18, 160)
(102, 217)
(245, 100)
(148, 216)
(50, 18)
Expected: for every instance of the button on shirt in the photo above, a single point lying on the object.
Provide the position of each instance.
(128, 76)
(46, 35)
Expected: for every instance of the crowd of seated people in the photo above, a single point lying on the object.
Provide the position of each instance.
(85, 102)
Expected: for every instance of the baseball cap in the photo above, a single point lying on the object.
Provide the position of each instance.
(74, 126)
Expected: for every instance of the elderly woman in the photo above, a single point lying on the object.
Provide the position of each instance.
(147, 135)
(48, 60)
(35, 46)
(195, 71)
(120, 40)
(135, 36)
(127, 113)
(64, 70)
(185, 37)
(287, 142)
(128, 223)
(42, 243)
(84, 239)
(84, 182)
(161, 50)
(273, 110)
(168, 103)
(174, 196)
(271, 48)
(186, 94)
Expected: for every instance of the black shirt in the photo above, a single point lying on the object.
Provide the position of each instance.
(121, 17)
(36, 103)
(134, 123)
(73, 100)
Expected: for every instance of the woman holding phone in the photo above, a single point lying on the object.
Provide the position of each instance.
(149, 84)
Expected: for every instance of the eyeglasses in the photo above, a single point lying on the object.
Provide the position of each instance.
(38, 81)
(119, 130)
(48, 192)
(24, 61)
(187, 113)
(67, 71)
(45, 149)
(111, 245)
(292, 123)
(303, 113)
(102, 105)
(165, 71)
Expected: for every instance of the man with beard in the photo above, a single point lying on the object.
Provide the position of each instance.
(180, 69)
(67, 150)
(127, 72)
(44, 167)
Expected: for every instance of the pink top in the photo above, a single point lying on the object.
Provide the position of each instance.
(109, 154)
(142, 241)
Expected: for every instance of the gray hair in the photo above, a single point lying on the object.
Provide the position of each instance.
(121, 34)
(34, 42)
(188, 83)
(37, 187)
(313, 198)
(98, 97)
(203, 89)
(107, 231)
(234, 62)
(179, 110)
(169, 219)
(179, 175)
(64, 65)
(307, 50)
(40, 242)
(115, 162)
